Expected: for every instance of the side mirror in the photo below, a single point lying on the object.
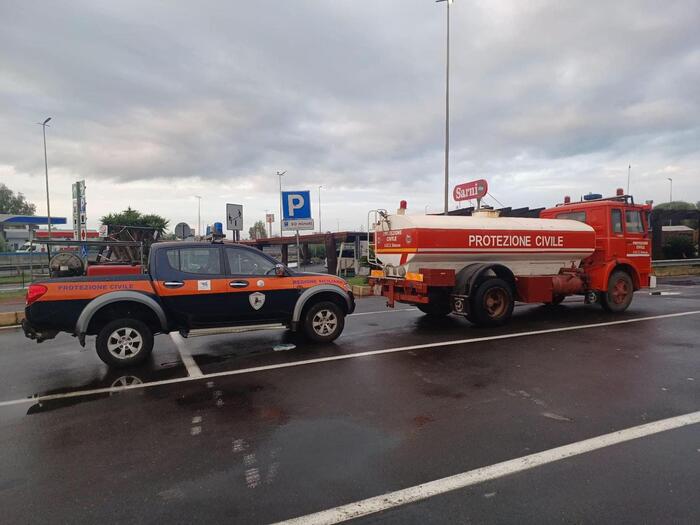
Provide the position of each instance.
(280, 270)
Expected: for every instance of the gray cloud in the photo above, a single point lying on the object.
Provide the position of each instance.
(545, 95)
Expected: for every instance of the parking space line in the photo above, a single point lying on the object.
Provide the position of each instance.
(473, 477)
(187, 359)
(262, 368)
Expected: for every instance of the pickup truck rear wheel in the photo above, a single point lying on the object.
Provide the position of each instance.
(124, 342)
(323, 322)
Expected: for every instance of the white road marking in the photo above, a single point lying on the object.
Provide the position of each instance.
(473, 477)
(106, 390)
(387, 311)
(187, 359)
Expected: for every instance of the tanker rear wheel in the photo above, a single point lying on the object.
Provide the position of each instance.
(492, 304)
(435, 309)
(438, 305)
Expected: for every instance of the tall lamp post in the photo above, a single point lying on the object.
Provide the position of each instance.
(280, 174)
(447, 107)
(46, 171)
(320, 230)
(199, 215)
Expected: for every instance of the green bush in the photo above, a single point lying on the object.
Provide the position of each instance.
(679, 247)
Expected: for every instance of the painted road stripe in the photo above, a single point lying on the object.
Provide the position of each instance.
(187, 359)
(480, 475)
(108, 390)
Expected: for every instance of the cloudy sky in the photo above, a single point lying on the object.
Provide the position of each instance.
(155, 102)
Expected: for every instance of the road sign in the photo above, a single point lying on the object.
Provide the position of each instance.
(297, 224)
(183, 230)
(234, 217)
(475, 189)
(270, 218)
(79, 211)
(296, 205)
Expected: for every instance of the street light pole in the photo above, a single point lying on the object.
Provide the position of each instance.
(280, 174)
(670, 191)
(320, 230)
(199, 215)
(447, 108)
(46, 171)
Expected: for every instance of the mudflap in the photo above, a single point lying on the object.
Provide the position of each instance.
(39, 337)
(460, 304)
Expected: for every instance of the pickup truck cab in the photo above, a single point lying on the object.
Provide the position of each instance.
(187, 286)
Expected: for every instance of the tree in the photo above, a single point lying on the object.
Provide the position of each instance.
(257, 231)
(678, 247)
(14, 204)
(676, 205)
(681, 206)
(130, 217)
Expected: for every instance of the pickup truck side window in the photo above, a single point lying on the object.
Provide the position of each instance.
(247, 262)
(204, 260)
(573, 215)
(633, 221)
(616, 220)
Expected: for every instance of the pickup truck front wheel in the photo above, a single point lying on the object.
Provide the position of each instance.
(124, 342)
(324, 322)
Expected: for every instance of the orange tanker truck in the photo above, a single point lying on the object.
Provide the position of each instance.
(478, 266)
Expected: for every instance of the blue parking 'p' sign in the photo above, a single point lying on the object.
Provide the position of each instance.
(296, 205)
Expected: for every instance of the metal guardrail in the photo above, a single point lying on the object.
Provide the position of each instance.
(675, 262)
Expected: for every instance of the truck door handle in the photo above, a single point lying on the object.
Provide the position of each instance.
(173, 284)
(238, 284)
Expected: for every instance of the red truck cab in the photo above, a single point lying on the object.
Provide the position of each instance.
(623, 241)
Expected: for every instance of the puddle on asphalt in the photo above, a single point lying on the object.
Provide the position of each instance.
(284, 347)
(113, 379)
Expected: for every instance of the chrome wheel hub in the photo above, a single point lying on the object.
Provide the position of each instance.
(124, 343)
(324, 322)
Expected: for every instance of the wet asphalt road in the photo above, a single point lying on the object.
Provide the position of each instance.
(268, 445)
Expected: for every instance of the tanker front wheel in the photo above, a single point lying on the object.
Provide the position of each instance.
(492, 303)
(620, 292)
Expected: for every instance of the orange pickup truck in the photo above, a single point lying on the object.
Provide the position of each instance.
(186, 286)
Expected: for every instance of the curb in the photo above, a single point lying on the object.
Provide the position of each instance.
(11, 318)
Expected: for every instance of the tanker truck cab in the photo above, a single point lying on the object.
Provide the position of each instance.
(623, 241)
(478, 266)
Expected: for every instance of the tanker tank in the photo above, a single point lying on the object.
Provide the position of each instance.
(407, 243)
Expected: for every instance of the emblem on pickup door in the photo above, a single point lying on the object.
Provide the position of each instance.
(257, 300)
